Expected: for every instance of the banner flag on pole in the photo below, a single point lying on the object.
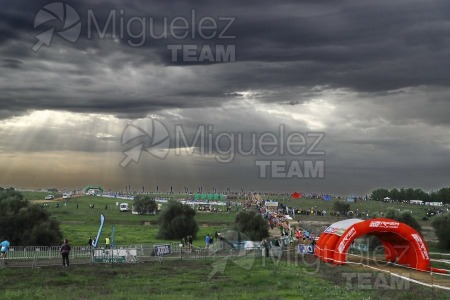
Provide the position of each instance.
(102, 221)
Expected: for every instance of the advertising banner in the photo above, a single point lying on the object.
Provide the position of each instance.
(305, 249)
(161, 250)
(114, 255)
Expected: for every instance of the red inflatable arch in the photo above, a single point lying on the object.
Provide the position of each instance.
(403, 244)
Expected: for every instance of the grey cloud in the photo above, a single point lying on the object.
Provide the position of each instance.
(363, 46)
(11, 63)
(382, 67)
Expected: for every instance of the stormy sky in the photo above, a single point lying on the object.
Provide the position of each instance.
(219, 89)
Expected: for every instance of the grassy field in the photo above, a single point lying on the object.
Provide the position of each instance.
(258, 278)
(263, 279)
(79, 221)
(39, 195)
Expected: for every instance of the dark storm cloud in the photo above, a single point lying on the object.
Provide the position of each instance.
(372, 74)
(11, 63)
(367, 46)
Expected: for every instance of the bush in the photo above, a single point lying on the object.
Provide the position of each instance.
(341, 207)
(144, 204)
(441, 225)
(26, 224)
(404, 217)
(252, 224)
(177, 221)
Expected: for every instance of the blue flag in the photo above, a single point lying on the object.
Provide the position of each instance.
(102, 221)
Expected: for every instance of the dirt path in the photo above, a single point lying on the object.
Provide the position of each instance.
(316, 227)
(428, 234)
(55, 199)
(424, 277)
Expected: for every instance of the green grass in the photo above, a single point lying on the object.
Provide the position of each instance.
(78, 224)
(264, 279)
(39, 195)
(372, 206)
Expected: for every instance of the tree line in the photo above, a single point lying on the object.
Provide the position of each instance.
(406, 194)
(29, 224)
(24, 223)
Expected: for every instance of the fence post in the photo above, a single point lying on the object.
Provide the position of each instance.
(33, 265)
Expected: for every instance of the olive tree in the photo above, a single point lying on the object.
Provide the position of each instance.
(177, 221)
(404, 217)
(441, 225)
(26, 224)
(341, 207)
(252, 224)
(144, 204)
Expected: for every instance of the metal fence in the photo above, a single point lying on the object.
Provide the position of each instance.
(37, 256)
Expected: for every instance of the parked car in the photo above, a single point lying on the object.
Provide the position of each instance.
(49, 197)
(123, 207)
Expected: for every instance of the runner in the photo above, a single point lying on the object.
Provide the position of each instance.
(4, 248)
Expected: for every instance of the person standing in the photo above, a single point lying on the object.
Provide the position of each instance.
(65, 251)
(207, 241)
(91, 251)
(4, 248)
(265, 246)
(107, 242)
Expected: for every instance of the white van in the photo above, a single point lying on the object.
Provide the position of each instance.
(123, 207)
